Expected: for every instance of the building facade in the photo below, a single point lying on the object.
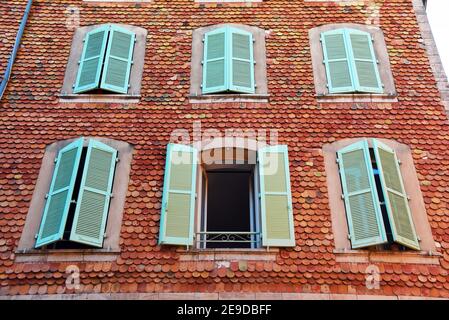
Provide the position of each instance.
(223, 149)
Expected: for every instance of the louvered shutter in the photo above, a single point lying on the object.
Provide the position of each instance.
(396, 200)
(337, 61)
(178, 197)
(275, 197)
(364, 62)
(60, 195)
(215, 63)
(92, 206)
(241, 61)
(363, 210)
(118, 61)
(92, 58)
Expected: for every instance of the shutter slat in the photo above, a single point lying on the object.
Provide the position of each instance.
(242, 61)
(364, 63)
(92, 58)
(396, 201)
(215, 63)
(92, 207)
(362, 205)
(337, 63)
(276, 199)
(118, 60)
(61, 190)
(178, 196)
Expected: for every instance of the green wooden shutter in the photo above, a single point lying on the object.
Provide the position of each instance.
(363, 210)
(92, 206)
(92, 58)
(396, 200)
(178, 197)
(364, 62)
(337, 61)
(241, 61)
(215, 63)
(275, 197)
(60, 194)
(118, 61)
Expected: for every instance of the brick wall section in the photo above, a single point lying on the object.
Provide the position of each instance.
(432, 52)
(32, 117)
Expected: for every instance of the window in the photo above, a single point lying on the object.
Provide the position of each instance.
(350, 61)
(230, 212)
(73, 205)
(78, 201)
(105, 64)
(228, 64)
(106, 60)
(228, 61)
(377, 206)
(351, 64)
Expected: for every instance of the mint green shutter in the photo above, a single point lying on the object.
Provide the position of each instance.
(215, 63)
(178, 196)
(363, 210)
(92, 206)
(337, 61)
(241, 61)
(396, 200)
(275, 197)
(60, 194)
(364, 62)
(118, 61)
(92, 58)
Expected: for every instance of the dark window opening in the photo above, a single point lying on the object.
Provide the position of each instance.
(228, 208)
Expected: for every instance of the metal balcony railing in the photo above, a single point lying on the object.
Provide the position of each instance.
(252, 239)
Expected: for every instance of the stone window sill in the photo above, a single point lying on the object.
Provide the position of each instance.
(365, 256)
(66, 255)
(99, 98)
(376, 98)
(228, 254)
(229, 98)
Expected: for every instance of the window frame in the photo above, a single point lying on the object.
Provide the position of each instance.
(26, 251)
(417, 207)
(135, 77)
(384, 66)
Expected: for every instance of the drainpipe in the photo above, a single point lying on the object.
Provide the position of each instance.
(16, 47)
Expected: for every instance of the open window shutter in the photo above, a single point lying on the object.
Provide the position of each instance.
(92, 58)
(60, 194)
(215, 63)
(337, 61)
(118, 61)
(395, 197)
(92, 206)
(363, 210)
(365, 69)
(275, 197)
(178, 197)
(242, 61)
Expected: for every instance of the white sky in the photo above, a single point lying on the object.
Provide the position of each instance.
(437, 12)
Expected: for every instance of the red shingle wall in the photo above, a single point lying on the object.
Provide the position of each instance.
(32, 117)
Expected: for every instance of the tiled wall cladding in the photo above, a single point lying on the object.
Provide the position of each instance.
(32, 117)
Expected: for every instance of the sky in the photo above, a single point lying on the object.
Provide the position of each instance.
(437, 12)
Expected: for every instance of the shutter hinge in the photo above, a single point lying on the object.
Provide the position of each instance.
(255, 85)
(56, 159)
(129, 86)
(132, 62)
(349, 236)
(112, 195)
(201, 86)
(196, 195)
(408, 198)
(399, 162)
(117, 160)
(73, 201)
(46, 196)
(73, 87)
(337, 160)
(36, 236)
(204, 39)
(342, 196)
(79, 62)
(135, 40)
(105, 236)
(254, 61)
(202, 62)
(419, 239)
(254, 40)
(260, 195)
